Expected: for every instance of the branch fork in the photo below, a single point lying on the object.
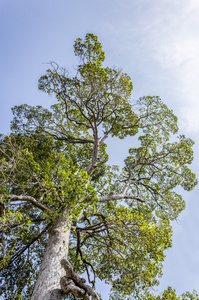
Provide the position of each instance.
(72, 283)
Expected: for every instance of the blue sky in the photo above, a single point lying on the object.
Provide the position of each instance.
(155, 42)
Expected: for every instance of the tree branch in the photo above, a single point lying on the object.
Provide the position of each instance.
(90, 168)
(108, 198)
(73, 283)
(122, 195)
(28, 199)
(27, 246)
(2, 209)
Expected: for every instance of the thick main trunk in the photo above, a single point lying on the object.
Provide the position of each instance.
(48, 282)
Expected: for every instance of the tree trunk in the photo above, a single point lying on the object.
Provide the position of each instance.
(48, 282)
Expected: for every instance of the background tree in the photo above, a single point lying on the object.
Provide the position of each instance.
(170, 294)
(59, 194)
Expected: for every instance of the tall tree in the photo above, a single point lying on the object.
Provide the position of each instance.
(64, 210)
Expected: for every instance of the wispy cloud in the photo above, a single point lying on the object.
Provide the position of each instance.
(167, 43)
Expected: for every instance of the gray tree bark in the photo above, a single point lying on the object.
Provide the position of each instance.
(48, 282)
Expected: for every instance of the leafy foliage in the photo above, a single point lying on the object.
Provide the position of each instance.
(170, 294)
(53, 159)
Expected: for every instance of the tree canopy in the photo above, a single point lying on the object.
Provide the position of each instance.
(55, 160)
(170, 294)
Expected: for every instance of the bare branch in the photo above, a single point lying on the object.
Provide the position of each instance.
(108, 198)
(70, 140)
(128, 182)
(28, 199)
(91, 167)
